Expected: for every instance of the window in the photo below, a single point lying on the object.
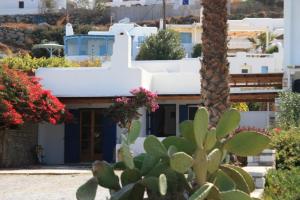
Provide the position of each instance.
(264, 69)
(185, 2)
(192, 111)
(163, 121)
(21, 4)
(245, 71)
(141, 40)
(186, 38)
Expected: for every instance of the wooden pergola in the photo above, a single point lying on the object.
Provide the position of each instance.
(257, 80)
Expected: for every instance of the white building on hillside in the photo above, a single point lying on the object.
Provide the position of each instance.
(99, 44)
(20, 7)
(88, 91)
(238, 33)
(292, 43)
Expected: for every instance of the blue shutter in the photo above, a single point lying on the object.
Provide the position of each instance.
(109, 139)
(72, 139)
(183, 113)
(148, 123)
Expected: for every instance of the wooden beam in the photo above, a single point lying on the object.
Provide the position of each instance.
(240, 97)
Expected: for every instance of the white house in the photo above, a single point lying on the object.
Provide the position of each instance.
(238, 33)
(128, 3)
(87, 92)
(291, 43)
(21, 7)
(99, 44)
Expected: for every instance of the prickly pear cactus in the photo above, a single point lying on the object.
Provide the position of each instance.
(192, 166)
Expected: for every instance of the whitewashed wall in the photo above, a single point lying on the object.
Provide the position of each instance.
(292, 32)
(11, 7)
(51, 138)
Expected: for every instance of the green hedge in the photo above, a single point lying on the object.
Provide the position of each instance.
(29, 64)
(283, 185)
(287, 145)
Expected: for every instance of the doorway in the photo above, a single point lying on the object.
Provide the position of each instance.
(91, 135)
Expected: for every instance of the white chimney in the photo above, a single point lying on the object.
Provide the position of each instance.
(69, 29)
(121, 58)
(161, 24)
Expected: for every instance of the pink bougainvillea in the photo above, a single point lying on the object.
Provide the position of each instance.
(22, 99)
(125, 109)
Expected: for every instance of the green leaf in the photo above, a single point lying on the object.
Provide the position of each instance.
(248, 178)
(88, 190)
(235, 195)
(134, 131)
(130, 176)
(127, 156)
(181, 162)
(151, 183)
(229, 121)
(223, 181)
(181, 144)
(163, 184)
(202, 192)
(105, 175)
(171, 150)
(201, 121)
(247, 144)
(186, 129)
(239, 180)
(148, 163)
(154, 147)
(214, 159)
(210, 140)
(124, 193)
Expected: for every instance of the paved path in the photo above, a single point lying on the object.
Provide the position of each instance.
(44, 187)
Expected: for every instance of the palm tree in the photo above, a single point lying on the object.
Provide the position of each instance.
(215, 67)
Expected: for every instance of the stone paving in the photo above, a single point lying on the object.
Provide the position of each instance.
(45, 183)
(44, 187)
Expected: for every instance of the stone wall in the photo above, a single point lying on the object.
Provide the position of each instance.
(16, 37)
(32, 19)
(17, 147)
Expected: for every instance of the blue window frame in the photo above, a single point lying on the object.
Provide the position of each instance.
(185, 2)
(186, 38)
(264, 69)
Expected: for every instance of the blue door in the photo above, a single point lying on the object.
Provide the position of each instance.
(92, 136)
(72, 139)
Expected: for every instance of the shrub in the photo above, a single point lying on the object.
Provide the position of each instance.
(22, 99)
(163, 46)
(289, 110)
(283, 185)
(191, 166)
(287, 145)
(28, 64)
(272, 49)
(197, 51)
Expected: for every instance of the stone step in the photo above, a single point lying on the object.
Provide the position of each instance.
(258, 193)
(258, 173)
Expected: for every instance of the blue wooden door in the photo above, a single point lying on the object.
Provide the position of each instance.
(72, 139)
(109, 139)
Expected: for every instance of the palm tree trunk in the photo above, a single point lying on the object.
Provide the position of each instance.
(215, 67)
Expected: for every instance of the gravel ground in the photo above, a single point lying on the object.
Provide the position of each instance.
(44, 187)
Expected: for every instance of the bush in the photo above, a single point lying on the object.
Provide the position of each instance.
(28, 64)
(289, 110)
(272, 49)
(22, 99)
(163, 46)
(197, 51)
(287, 146)
(283, 185)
